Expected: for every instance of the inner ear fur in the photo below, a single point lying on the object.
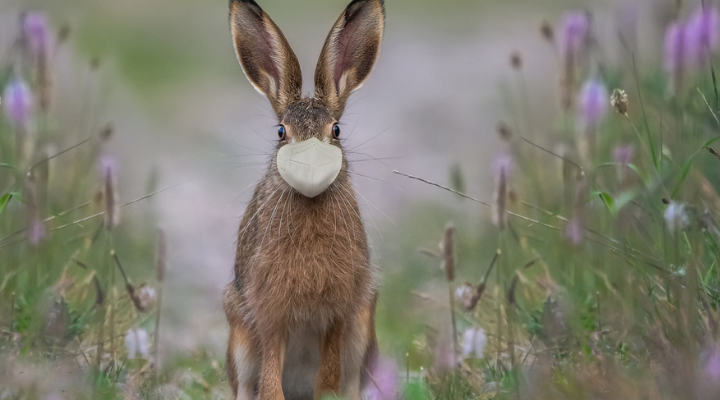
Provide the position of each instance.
(350, 52)
(265, 55)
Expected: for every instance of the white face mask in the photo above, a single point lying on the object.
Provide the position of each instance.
(309, 166)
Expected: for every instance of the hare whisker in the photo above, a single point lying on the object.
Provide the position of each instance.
(291, 234)
(367, 141)
(262, 206)
(376, 207)
(334, 209)
(244, 190)
(343, 140)
(272, 217)
(377, 180)
(367, 214)
(347, 227)
(349, 208)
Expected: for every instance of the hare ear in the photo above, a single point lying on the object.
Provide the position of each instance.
(265, 55)
(349, 53)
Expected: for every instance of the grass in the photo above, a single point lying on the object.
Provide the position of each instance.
(600, 278)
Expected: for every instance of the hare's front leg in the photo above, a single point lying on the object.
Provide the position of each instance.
(273, 346)
(360, 347)
(242, 361)
(328, 378)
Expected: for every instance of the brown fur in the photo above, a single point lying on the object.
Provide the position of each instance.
(302, 265)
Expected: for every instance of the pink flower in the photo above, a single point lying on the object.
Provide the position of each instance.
(574, 231)
(36, 33)
(107, 164)
(675, 52)
(18, 103)
(702, 34)
(574, 33)
(712, 365)
(593, 101)
(37, 231)
(382, 380)
(623, 155)
(445, 357)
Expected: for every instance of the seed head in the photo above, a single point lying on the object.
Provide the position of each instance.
(108, 169)
(504, 131)
(516, 60)
(501, 167)
(619, 101)
(547, 31)
(464, 296)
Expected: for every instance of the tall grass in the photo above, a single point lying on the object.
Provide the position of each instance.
(79, 287)
(606, 247)
(594, 276)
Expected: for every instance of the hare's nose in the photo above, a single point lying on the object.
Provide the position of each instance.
(310, 166)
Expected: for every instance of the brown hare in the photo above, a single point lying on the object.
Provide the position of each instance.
(301, 308)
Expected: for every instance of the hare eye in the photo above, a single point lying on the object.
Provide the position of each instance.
(282, 134)
(336, 131)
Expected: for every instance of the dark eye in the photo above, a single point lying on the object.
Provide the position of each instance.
(336, 131)
(281, 132)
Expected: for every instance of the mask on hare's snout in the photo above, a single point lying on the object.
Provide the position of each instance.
(310, 166)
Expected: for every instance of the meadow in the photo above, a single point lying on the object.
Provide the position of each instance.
(588, 269)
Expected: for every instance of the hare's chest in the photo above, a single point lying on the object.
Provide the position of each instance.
(312, 269)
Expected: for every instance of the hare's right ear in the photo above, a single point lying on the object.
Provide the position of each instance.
(265, 55)
(349, 53)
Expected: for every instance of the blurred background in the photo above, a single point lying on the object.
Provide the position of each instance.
(163, 73)
(181, 107)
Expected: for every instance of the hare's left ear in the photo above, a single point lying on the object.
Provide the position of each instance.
(349, 53)
(265, 55)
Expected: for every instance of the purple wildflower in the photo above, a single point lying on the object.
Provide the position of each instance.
(593, 102)
(445, 357)
(712, 365)
(19, 104)
(36, 33)
(107, 164)
(702, 34)
(623, 155)
(574, 33)
(37, 230)
(675, 58)
(382, 382)
(502, 167)
(573, 231)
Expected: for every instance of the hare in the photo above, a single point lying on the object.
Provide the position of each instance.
(301, 307)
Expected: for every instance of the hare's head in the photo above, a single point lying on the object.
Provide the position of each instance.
(309, 154)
